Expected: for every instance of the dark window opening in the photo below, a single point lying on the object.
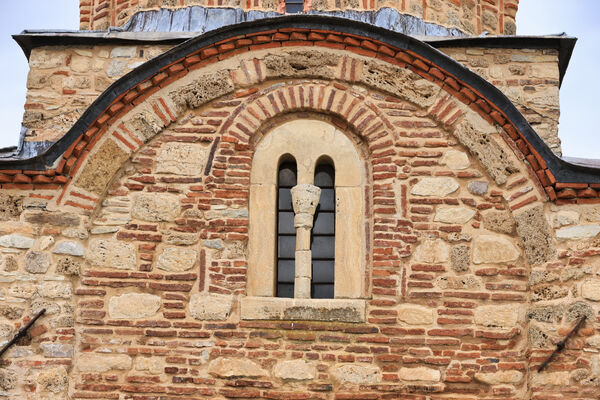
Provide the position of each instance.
(286, 233)
(323, 235)
(293, 6)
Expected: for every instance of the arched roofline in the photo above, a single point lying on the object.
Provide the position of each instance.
(506, 113)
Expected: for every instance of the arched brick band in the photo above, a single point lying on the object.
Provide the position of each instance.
(562, 181)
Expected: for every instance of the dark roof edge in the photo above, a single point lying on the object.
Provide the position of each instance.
(562, 170)
(30, 39)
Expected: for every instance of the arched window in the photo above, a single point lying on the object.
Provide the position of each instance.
(323, 277)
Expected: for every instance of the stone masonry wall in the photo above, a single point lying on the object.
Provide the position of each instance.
(470, 16)
(141, 257)
(63, 83)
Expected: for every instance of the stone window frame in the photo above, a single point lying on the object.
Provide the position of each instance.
(308, 141)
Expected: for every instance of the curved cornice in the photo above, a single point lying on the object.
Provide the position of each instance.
(501, 110)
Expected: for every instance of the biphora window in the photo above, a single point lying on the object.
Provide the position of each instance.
(307, 225)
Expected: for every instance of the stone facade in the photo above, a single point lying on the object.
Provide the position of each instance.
(462, 254)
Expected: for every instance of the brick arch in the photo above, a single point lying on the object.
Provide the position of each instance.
(54, 169)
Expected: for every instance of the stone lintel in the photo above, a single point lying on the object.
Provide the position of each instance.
(278, 308)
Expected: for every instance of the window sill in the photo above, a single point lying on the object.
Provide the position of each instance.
(285, 309)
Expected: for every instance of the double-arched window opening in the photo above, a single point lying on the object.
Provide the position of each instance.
(316, 156)
(322, 235)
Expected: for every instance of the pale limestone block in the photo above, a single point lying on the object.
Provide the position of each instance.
(80, 63)
(69, 248)
(111, 253)
(461, 282)
(54, 380)
(57, 350)
(92, 362)
(357, 374)
(211, 307)
(296, 370)
(545, 70)
(229, 368)
(432, 251)
(493, 249)
(455, 159)
(43, 58)
(419, 374)
(453, 215)
(590, 289)
(182, 159)
(279, 308)
(123, 52)
(413, 314)
(37, 262)
(564, 217)
(578, 232)
(56, 290)
(155, 207)
(562, 378)
(16, 241)
(350, 262)
(261, 263)
(133, 305)
(176, 259)
(151, 365)
(505, 316)
(500, 377)
(438, 187)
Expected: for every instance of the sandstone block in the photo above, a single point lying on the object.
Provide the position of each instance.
(133, 305)
(297, 370)
(301, 64)
(419, 374)
(437, 187)
(37, 262)
(123, 52)
(111, 253)
(202, 90)
(229, 368)
(484, 146)
(57, 350)
(92, 362)
(54, 380)
(499, 221)
(56, 290)
(181, 238)
(453, 215)
(8, 378)
(493, 249)
(269, 308)
(357, 374)
(151, 365)
(52, 218)
(176, 259)
(16, 241)
(577, 232)
(535, 233)
(22, 290)
(155, 207)
(432, 251)
(11, 206)
(564, 217)
(212, 307)
(80, 63)
(460, 258)
(590, 289)
(455, 159)
(505, 316)
(561, 378)
(413, 314)
(101, 166)
(69, 248)
(500, 377)
(182, 159)
(463, 282)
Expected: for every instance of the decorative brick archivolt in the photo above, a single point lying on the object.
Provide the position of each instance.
(562, 182)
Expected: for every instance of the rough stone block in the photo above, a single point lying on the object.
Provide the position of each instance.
(56, 290)
(203, 89)
(499, 221)
(489, 249)
(54, 380)
(301, 64)
(57, 350)
(176, 259)
(500, 377)
(455, 159)
(69, 248)
(432, 251)
(16, 241)
(578, 232)
(295, 370)
(211, 307)
(453, 215)
(155, 207)
(133, 306)
(460, 258)
(182, 159)
(357, 374)
(413, 314)
(535, 233)
(93, 362)
(100, 167)
(505, 316)
(436, 187)
(279, 308)
(564, 218)
(111, 253)
(151, 365)
(231, 368)
(37, 262)
(419, 374)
